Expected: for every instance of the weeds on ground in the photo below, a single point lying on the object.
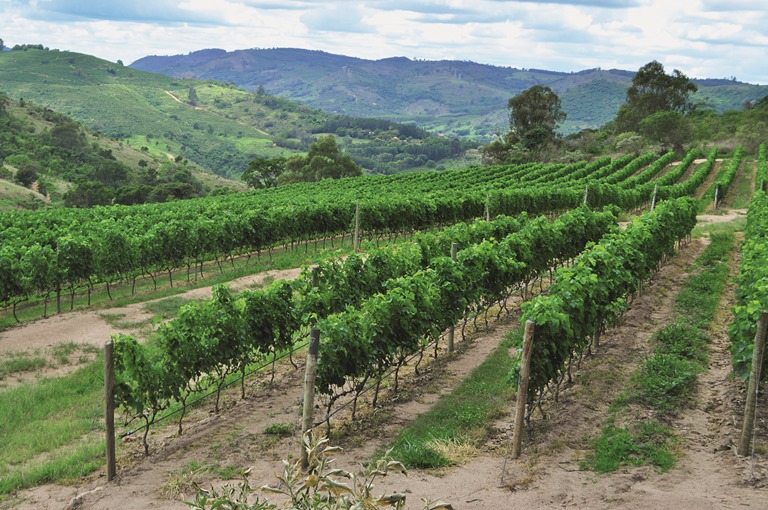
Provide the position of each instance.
(280, 429)
(647, 442)
(17, 363)
(319, 487)
(460, 417)
(666, 380)
(666, 383)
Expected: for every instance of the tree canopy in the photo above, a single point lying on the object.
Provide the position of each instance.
(323, 161)
(263, 172)
(535, 114)
(654, 91)
(670, 128)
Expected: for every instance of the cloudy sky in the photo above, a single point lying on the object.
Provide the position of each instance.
(701, 38)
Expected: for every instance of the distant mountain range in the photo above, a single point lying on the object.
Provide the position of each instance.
(455, 97)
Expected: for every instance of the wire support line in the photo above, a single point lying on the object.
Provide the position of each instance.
(231, 383)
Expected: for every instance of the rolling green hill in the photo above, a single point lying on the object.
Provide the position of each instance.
(47, 158)
(216, 126)
(456, 97)
(213, 124)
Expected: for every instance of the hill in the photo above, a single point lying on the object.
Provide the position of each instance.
(48, 158)
(455, 97)
(213, 124)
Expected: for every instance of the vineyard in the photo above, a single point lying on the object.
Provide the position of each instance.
(48, 253)
(569, 247)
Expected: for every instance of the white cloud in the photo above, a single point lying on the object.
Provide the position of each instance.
(702, 38)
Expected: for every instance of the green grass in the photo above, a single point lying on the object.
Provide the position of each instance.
(465, 412)
(666, 380)
(19, 363)
(280, 429)
(62, 352)
(167, 308)
(742, 188)
(729, 227)
(75, 463)
(116, 320)
(698, 300)
(647, 442)
(51, 417)
(682, 340)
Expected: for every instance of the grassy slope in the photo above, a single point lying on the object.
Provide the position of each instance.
(127, 103)
(13, 196)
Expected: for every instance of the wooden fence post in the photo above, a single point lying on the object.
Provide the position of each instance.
(308, 411)
(586, 194)
(109, 401)
(595, 341)
(522, 389)
(488, 206)
(754, 385)
(717, 196)
(653, 202)
(356, 239)
(452, 329)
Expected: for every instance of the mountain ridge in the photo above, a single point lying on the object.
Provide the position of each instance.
(453, 96)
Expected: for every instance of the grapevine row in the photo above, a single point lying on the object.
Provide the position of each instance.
(47, 252)
(726, 178)
(211, 340)
(593, 291)
(752, 292)
(362, 343)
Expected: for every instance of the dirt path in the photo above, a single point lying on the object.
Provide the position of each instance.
(711, 177)
(548, 474)
(91, 328)
(725, 217)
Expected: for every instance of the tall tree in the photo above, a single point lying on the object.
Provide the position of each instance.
(653, 91)
(263, 172)
(192, 96)
(323, 161)
(670, 128)
(535, 114)
(68, 135)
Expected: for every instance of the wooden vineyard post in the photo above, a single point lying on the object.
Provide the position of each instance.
(522, 390)
(586, 194)
(307, 415)
(356, 238)
(595, 341)
(488, 207)
(452, 329)
(717, 196)
(653, 201)
(754, 385)
(109, 401)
